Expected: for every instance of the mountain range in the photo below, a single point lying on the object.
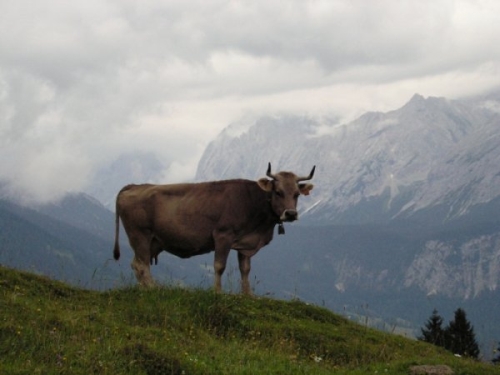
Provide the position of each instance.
(403, 217)
(432, 155)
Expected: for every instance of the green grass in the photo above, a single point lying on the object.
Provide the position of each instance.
(47, 327)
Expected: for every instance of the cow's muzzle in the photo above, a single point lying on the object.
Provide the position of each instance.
(289, 215)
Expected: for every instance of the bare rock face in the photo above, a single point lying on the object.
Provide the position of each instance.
(431, 370)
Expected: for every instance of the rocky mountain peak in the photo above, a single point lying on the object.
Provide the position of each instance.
(377, 167)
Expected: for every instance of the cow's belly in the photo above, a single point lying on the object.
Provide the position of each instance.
(186, 247)
(251, 242)
(187, 253)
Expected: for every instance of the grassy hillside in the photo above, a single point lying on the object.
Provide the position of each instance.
(47, 327)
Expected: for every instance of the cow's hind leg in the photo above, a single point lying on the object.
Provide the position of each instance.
(142, 272)
(140, 263)
(244, 263)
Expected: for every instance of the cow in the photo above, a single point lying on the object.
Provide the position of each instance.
(196, 218)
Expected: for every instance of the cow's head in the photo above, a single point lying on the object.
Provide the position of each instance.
(285, 188)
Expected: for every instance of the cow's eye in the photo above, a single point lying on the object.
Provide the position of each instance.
(280, 194)
(296, 195)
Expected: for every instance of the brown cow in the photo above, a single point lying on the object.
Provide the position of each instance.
(193, 219)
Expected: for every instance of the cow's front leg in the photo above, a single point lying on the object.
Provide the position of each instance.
(244, 263)
(220, 261)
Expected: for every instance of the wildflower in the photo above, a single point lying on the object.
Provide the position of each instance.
(59, 359)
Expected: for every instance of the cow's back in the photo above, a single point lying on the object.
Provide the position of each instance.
(203, 207)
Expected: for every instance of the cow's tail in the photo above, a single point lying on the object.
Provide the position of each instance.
(116, 250)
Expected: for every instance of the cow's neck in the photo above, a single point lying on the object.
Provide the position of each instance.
(281, 227)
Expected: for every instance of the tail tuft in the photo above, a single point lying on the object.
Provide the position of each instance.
(116, 251)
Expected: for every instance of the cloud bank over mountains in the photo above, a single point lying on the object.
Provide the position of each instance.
(83, 82)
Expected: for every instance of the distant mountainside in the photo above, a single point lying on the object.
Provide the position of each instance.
(35, 241)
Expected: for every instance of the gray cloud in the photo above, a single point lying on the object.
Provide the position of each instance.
(82, 82)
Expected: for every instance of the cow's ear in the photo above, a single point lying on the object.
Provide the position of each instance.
(305, 189)
(265, 184)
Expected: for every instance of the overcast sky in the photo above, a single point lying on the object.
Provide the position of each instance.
(83, 80)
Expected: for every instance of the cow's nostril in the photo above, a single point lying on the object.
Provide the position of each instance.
(290, 215)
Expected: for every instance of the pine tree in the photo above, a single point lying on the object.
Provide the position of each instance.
(496, 360)
(460, 336)
(433, 332)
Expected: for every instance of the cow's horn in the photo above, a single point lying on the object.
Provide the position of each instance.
(308, 177)
(269, 174)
